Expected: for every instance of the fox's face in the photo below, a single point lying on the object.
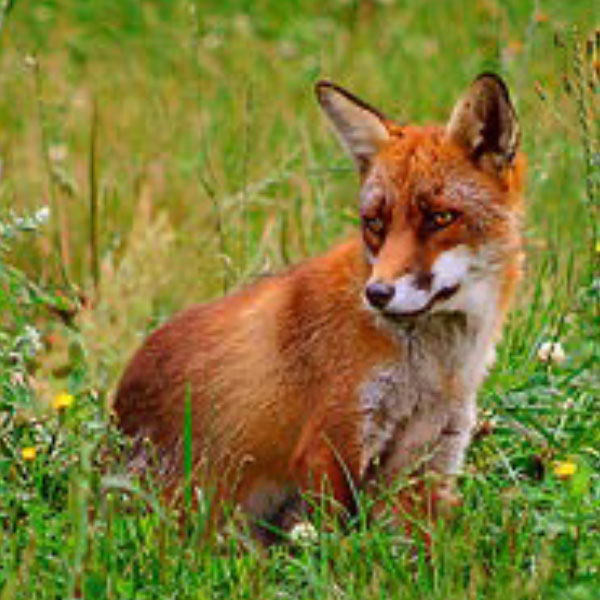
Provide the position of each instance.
(438, 204)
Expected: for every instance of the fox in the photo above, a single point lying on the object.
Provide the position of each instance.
(361, 366)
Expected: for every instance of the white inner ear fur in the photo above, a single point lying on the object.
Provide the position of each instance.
(485, 103)
(361, 131)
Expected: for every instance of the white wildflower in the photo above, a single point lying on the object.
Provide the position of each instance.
(303, 533)
(31, 339)
(551, 352)
(30, 61)
(42, 215)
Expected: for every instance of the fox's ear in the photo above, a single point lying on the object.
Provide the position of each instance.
(361, 128)
(484, 122)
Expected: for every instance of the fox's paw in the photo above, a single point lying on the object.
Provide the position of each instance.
(446, 499)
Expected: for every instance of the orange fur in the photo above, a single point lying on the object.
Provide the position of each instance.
(297, 384)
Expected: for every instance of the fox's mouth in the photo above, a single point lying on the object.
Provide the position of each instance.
(444, 294)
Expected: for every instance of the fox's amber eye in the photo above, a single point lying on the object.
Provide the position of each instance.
(374, 224)
(442, 218)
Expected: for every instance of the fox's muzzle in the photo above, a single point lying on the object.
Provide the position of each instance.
(412, 294)
(380, 296)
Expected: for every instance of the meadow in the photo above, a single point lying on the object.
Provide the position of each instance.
(155, 154)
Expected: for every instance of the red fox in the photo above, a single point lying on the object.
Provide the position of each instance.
(363, 364)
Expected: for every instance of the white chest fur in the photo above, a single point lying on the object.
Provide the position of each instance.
(423, 406)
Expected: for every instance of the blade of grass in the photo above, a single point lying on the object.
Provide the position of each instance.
(93, 191)
(187, 449)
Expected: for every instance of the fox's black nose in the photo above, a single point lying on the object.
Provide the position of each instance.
(379, 294)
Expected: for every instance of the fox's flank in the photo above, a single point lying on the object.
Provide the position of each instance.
(361, 366)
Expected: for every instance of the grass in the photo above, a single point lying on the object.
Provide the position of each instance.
(180, 151)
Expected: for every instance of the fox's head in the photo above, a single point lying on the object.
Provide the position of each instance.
(439, 206)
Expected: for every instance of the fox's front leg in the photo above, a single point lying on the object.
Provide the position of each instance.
(432, 492)
(428, 492)
(448, 454)
(322, 471)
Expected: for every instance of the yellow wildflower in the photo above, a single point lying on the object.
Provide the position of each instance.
(565, 469)
(62, 401)
(598, 243)
(29, 453)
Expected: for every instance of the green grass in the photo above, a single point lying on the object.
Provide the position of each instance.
(181, 152)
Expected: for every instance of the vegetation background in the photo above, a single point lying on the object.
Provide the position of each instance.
(157, 153)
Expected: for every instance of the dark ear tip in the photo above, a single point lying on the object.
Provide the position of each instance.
(325, 89)
(322, 86)
(491, 78)
(490, 75)
(323, 83)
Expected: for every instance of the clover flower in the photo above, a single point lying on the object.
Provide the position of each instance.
(551, 352)
(303, 533)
